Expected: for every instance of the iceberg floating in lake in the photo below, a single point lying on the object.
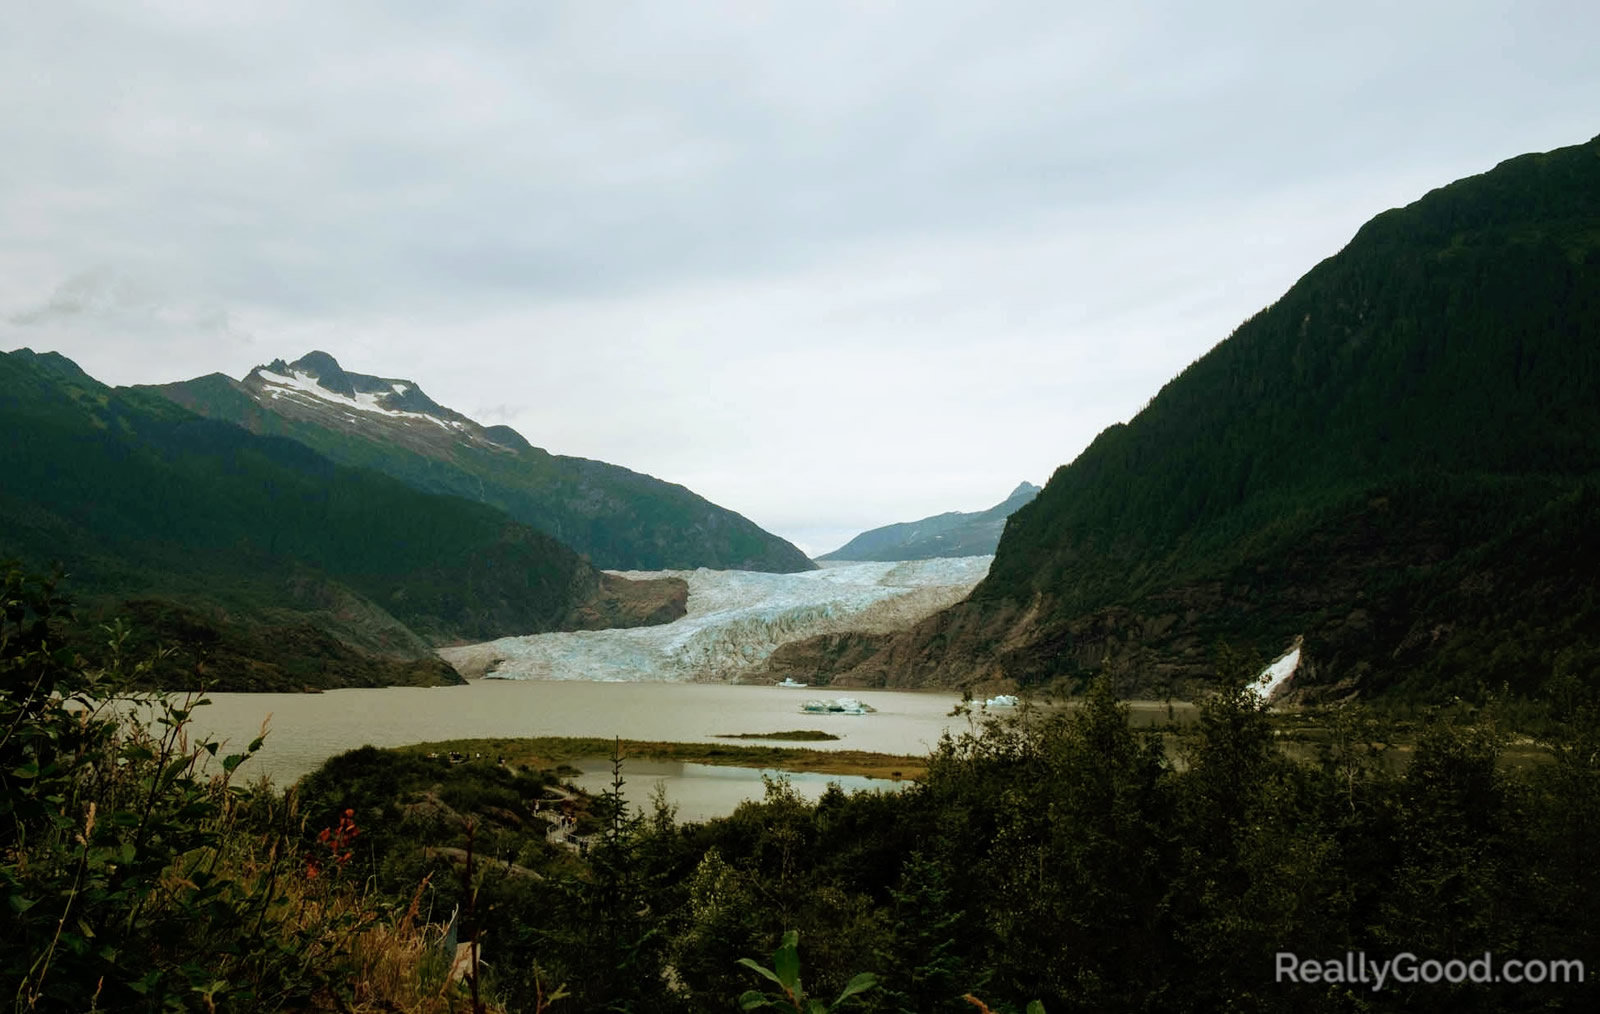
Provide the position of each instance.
(837, 706)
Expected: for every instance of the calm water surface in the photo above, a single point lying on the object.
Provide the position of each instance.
(307, 729)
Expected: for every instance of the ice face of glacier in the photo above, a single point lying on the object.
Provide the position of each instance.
(735, 620)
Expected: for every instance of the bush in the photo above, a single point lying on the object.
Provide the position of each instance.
(135, 875)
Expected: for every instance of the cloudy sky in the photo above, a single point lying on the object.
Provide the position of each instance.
(831, 265)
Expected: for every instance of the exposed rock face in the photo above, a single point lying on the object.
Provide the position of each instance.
(620, 602)
(316, 388)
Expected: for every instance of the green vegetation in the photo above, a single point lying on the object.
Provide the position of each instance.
(793, 735)
(275, 568)
(540, 752)
(1062, 858)
(619, 518)
(131, 881)
(1399, 459)
(790, 995)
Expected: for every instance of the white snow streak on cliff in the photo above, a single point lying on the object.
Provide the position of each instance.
(735, 619)
(305, 388)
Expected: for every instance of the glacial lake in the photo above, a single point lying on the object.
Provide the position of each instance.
(306, 729)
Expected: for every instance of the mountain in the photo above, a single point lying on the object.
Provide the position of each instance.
(620, 519)
(279, 567)
(1399, 459)
(952, 533)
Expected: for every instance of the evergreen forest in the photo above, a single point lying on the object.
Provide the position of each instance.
(1398, 460)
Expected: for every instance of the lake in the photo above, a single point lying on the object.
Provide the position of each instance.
(307, 729)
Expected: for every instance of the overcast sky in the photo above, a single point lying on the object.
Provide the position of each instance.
(830, 265)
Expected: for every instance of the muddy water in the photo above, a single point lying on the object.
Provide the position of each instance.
(307, 729)
(703, 791)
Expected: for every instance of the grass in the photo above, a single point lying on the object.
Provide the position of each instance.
(791, 736)
(1302, 734)
(551, 751)
(1298, 733)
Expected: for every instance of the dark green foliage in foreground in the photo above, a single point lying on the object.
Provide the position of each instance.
(1067, 858)
(790, 993)
(129, 881)
(1070, 859)
(1061, 857)
(257, 543)
(1369, 461)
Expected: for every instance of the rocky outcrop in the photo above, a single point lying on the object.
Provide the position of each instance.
(620, 602)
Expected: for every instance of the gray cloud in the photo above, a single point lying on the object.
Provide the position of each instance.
(845, 264)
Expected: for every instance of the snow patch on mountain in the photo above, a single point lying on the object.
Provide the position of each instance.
(735, 620)
(300, 385)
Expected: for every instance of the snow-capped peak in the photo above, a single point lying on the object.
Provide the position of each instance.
(317, 379)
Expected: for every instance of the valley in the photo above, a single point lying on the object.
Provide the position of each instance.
(1325, 608)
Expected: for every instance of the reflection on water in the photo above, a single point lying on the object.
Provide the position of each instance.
(307, 729)
(703, 791)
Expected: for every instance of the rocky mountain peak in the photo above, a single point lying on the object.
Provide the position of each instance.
(327, 372)
(316, 381)
(621, 518)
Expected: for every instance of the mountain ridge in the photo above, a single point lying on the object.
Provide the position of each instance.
(952, 534)
(620, 519)
(1398, 459)
(287, 569)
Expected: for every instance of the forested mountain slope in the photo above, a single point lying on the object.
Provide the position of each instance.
(285, 569)
(1398, 459)
(953, 533)
(620, 519)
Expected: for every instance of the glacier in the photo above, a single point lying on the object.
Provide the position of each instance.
(735, 620)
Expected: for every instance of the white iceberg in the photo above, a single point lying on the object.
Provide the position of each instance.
(837, 706)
